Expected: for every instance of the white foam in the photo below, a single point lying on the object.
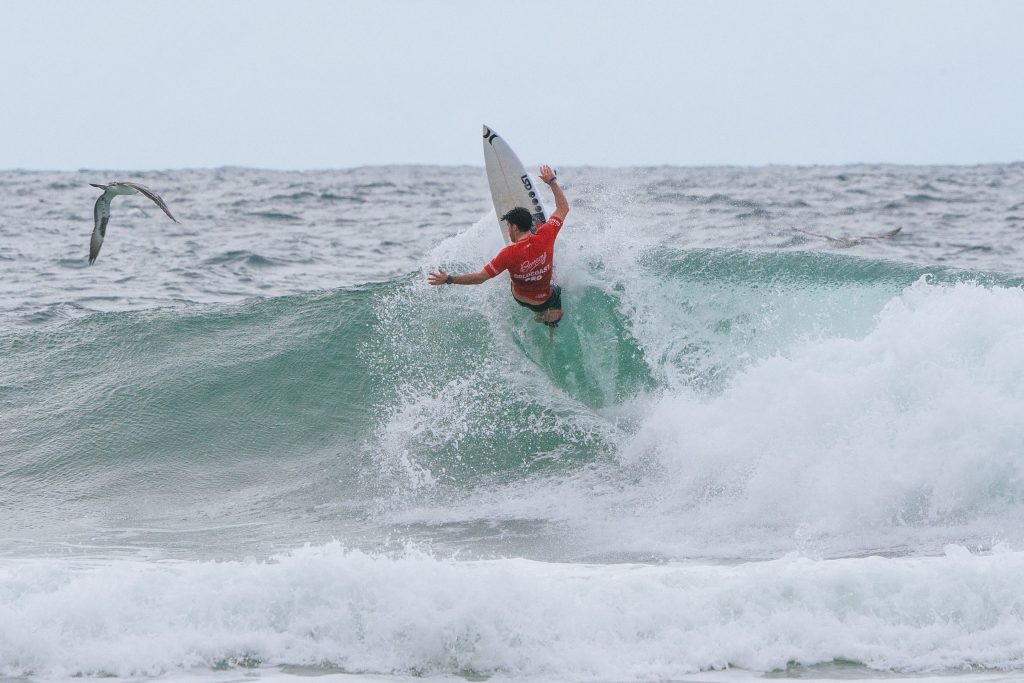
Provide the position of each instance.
(908, 437)
(325, 606)
(919, 423)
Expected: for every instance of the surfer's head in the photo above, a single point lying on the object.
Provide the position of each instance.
(519, 219)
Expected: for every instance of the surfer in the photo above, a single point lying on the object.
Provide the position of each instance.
(528, 259)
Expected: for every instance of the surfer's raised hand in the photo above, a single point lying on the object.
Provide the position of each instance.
(561, 203)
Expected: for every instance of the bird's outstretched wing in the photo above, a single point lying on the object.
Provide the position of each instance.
(101, 215)
(157, 199)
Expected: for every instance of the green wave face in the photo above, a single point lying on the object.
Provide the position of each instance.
(190, 400)
(176, 407)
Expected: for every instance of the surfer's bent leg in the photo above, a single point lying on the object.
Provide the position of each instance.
(549, 312)
(554, 313)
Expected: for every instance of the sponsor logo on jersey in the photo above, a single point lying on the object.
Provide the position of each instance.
(529, 266)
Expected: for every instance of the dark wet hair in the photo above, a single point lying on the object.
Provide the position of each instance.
(520, 218)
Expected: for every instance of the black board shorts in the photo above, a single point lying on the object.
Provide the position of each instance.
(554, 301)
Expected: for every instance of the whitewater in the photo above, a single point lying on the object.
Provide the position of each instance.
(259, 445)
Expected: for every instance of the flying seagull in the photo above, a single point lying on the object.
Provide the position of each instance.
(845, 242)
(101, 212)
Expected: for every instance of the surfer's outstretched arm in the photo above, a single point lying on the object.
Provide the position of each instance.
(443, 278)
(561, 203)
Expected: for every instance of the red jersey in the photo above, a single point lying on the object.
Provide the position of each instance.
(529, 262)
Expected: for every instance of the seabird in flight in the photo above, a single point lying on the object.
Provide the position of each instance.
(101, 211)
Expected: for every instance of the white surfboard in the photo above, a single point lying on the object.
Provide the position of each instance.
(511, 185)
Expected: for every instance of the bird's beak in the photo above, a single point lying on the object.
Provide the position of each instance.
(102, 187)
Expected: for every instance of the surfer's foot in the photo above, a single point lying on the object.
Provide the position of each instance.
(552, 317)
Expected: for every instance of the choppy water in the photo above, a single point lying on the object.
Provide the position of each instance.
(259, 442)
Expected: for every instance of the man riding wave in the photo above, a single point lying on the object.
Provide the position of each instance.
(529, 259)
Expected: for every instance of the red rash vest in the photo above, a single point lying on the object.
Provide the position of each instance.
(529, 263)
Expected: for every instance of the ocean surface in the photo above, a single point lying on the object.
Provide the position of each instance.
(258, 445)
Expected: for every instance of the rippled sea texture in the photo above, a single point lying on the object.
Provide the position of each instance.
(247, 233)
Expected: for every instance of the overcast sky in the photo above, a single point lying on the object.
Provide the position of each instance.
(331, 84)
